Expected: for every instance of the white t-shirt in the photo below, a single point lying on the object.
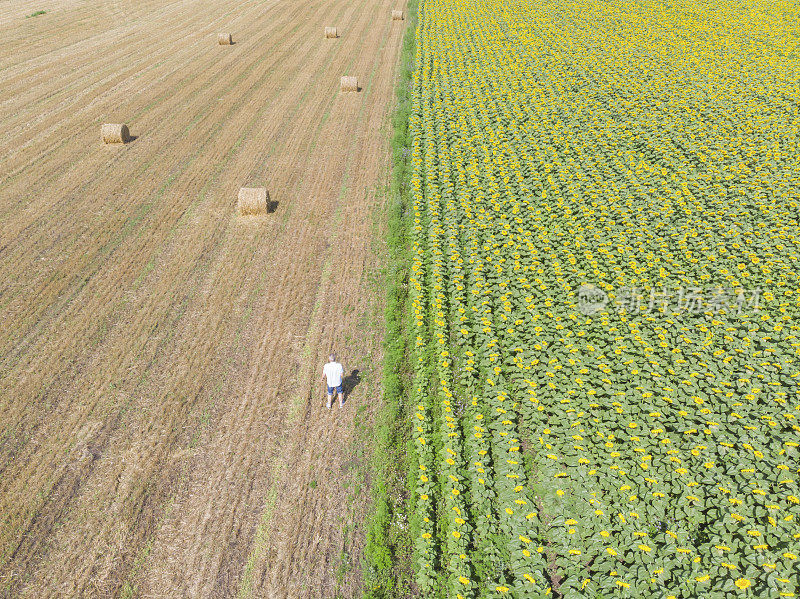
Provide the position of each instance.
(333, 372)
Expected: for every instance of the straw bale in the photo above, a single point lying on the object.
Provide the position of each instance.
(115, 133)
(253, 200)
(349, 84)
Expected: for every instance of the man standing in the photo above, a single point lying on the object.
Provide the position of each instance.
(333, 372)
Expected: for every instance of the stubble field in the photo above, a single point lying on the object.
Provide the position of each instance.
(162, 428)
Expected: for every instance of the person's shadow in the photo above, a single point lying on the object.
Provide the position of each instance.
(349, 383)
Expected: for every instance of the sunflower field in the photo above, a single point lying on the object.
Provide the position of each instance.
(606, 298)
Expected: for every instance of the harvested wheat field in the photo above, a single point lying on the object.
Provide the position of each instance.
(162, 423)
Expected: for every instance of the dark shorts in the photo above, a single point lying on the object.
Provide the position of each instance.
(337, 388)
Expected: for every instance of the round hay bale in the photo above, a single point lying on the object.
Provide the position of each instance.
(253, 200)
(349, 84)
(331, 32)
(115, 133)
(225, 39)
(397, 15)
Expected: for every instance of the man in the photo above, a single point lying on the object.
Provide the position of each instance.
(333, 372)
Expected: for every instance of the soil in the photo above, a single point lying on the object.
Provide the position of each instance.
(163, 431)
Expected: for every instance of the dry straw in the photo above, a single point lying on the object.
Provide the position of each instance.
(115, 134)
(349, 84)
(253, 200)
(331, 32)
(397, 15)
(225, 39)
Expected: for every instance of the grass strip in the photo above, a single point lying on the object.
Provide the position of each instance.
(387, 564)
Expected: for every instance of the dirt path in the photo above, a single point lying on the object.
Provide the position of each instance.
(162, 427)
